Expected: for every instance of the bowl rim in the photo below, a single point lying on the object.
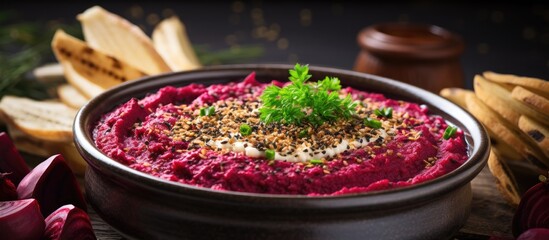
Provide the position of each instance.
(423, 191)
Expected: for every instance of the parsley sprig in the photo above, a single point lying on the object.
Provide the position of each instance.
(301, 102)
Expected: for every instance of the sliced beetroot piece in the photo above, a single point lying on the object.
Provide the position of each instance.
(11, 161)
(533, 210)
(21, 219)
(8, 191)
(52, 184)
(68, 222)
(534, 234)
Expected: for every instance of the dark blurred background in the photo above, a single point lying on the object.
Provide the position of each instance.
(502, 37)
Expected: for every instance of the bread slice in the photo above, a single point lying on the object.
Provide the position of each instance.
(71, 96)
(80, 83)
(538, 133)
(534, 101)
(50, 121)
(456, 95)
(505, 180)
(500, 100)
(535, 84)
(505, 135)
(116, 36)
(171, 41)
(102, 69)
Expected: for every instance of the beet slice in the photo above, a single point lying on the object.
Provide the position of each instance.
(11, 161)
(533, 210)
(68, 222)
(534, 234)
(8, 191)
(21, 219)
(53, 184)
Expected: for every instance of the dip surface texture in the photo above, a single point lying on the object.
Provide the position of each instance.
(193, 135)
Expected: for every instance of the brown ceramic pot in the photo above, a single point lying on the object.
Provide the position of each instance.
(426, 56)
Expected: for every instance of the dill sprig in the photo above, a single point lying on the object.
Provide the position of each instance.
(305, 102)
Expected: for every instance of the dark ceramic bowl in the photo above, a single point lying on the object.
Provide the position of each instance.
(142, 206)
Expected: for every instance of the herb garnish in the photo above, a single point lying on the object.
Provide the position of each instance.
(245, 129)
(207, 111)
(373, 123)
(384, 112)
(450, 132)
(300, 102)
(270, 154)
(316, 161)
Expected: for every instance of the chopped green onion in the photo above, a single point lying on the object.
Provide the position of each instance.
(384, 112)
(270, 154)
(245, 129)
(450, 132)
(373, 123)
(316, 161)
(207, 111)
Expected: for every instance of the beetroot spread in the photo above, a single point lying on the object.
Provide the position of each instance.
(211, 136)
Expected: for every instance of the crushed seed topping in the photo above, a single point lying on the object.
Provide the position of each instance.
(221, 132)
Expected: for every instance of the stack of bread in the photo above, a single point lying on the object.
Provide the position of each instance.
(114, 51)
(515, 112)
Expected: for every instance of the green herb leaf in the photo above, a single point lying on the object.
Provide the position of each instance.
(270, 154)
(207, 111)
(384, 112)
(245, 129)
(329, 84)
(373, 123)
(450, 132)
(300, 74)
(301, 102)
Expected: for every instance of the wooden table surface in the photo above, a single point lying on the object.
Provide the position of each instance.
(490, 214)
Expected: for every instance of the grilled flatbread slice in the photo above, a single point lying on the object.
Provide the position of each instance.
(497, 98)
(537, 85)
(43, 120)
(80, 83)
(116, 36)
(71, 96)
(456, 95)
(505, 180)
(171, 41)
(538, 133)
(500, 100)
(101, 69)
(504, 134)
(534, 101)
